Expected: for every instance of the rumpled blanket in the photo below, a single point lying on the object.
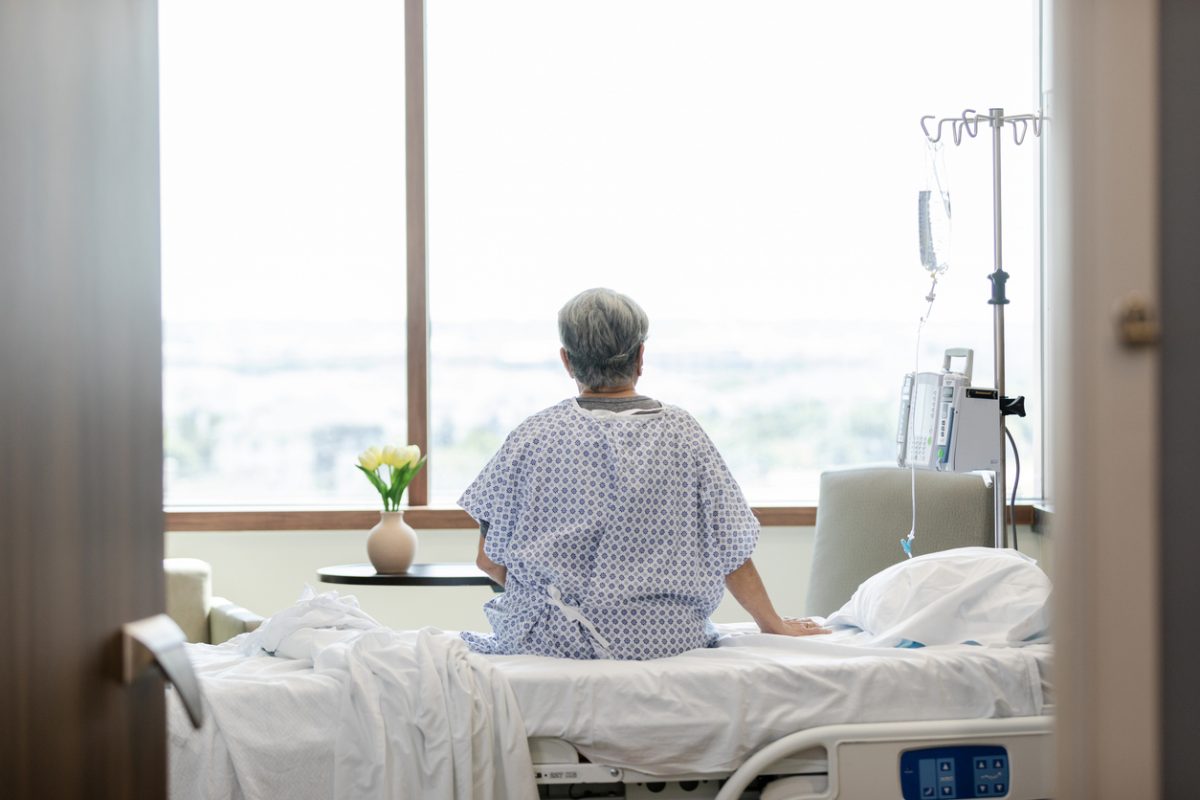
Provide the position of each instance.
(416, 714)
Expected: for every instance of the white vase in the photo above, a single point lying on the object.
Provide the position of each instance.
(392, 544)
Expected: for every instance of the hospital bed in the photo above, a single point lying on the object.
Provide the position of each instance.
(760, 716)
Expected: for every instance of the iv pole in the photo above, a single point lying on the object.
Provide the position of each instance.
(998, 278)
(969, 123)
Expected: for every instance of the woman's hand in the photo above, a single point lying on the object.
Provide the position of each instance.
(747, 588)
(790, 626)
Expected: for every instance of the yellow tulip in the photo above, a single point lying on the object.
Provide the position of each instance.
(370, 459)
(410, 455)
(392, 456)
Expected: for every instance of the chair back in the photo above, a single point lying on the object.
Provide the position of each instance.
(863, 513)
(189, 595)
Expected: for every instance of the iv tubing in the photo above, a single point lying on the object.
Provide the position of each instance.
(907, 541)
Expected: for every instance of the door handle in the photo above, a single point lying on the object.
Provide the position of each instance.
(158, 640)
(1137, 324)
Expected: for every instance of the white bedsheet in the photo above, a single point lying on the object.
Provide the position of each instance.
(705, 711)
(283, 728)
(349, 708)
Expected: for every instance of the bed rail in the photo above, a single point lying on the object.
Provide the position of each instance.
(864, 759)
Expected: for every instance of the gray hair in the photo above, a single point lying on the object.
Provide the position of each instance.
(601, 330)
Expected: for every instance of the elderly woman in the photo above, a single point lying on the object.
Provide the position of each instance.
(610, 519)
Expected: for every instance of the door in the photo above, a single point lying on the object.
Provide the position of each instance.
(80, 412)
(1103, 236)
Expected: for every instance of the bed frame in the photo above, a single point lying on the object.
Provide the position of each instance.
(833, 762)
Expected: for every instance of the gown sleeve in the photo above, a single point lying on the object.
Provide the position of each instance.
(495, 496)
(729, 529)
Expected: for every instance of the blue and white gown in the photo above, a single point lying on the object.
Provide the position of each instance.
(617, 532)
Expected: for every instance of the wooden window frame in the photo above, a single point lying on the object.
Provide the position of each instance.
(434, 518)
(417, 265)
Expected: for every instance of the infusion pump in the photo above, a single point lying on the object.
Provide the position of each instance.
(945, 423)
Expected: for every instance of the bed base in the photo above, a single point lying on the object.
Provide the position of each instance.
(834, 762)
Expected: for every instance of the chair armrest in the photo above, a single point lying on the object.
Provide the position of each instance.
(226, 620)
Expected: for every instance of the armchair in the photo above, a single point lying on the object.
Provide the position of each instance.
(190, 602)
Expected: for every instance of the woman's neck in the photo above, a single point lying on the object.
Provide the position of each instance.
(626, 390)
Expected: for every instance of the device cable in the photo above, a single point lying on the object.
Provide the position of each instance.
(1016, 483)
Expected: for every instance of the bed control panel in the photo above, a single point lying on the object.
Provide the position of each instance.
(949, 773)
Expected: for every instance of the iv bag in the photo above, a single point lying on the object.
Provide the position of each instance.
(933, 213)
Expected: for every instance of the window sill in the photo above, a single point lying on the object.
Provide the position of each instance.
(184, 520)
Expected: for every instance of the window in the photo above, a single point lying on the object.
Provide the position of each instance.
(748, 173)
(283, 247)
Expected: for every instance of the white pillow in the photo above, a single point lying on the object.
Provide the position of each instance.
(971, 594)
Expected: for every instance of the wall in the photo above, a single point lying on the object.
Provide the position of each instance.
(266, 571)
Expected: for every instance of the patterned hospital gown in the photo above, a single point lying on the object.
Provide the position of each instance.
(617, 532)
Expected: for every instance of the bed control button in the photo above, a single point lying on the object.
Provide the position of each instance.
(999, 787)
(982, 789)
(998, 763)
(947, 791)
(927, 791)
(981, 763)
